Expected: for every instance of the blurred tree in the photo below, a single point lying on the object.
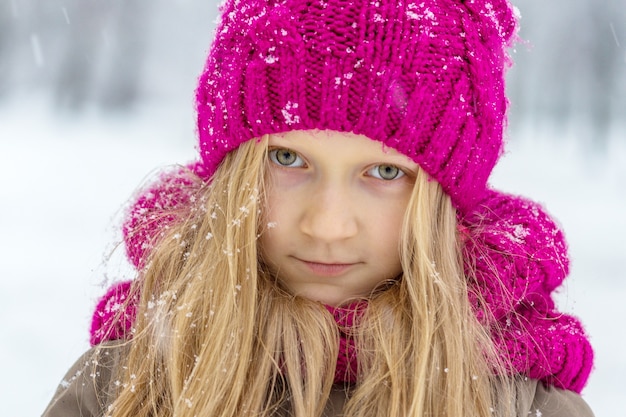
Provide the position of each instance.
(569, 74)
(606, 66)
(79, 59)
(119, 87)
(103, 55)
(7, 19)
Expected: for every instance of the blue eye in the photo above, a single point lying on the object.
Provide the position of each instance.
(286, 157)
(386, 172)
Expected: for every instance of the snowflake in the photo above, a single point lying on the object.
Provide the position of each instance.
(290, 118)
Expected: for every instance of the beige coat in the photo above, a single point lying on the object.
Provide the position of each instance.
(84, 392)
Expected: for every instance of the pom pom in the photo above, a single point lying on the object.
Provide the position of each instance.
(552, 348)
(156, 208)
(515, 256)
(513, 252)
(114, 315)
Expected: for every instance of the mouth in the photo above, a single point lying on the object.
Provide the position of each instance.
(327, 269)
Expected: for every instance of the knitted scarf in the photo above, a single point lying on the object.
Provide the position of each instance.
(114, 317)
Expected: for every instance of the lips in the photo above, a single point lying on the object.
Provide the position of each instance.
(327, 269)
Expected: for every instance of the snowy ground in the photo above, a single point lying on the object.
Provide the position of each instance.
(64, 180)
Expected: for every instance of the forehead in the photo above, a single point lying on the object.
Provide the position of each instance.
(333, 143)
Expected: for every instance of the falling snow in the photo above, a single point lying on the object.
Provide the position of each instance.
(76, 173)
(37, 52)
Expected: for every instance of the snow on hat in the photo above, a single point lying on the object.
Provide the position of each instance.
(423, 77)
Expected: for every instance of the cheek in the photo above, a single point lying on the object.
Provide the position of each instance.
(385, 227)
(271, 245)
(282, 202)
(386, 215)
(273, 213)
(269, 206)
(265, 244)
(272, 225)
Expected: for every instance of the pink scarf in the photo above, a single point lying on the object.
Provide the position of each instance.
(347, 318)
(553, 350)
(110, 323)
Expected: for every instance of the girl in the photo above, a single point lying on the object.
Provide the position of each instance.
(336, 249)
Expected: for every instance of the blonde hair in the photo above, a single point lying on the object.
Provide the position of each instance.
(216, 336)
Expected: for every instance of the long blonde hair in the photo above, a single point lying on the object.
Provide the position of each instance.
(216, 336)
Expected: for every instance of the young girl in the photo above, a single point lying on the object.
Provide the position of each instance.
(336, 249)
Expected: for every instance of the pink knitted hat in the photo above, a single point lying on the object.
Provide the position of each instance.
(425, 77)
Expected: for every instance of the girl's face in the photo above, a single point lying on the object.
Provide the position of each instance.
(335, 206)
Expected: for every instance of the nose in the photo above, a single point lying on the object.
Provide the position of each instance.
(330, 215)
